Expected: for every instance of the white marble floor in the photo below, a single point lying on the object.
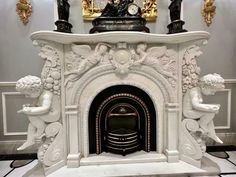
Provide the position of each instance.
(227, 166)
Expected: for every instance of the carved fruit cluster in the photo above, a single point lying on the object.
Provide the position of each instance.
(52, 82)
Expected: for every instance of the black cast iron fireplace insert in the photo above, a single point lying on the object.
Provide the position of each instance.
(122, 120)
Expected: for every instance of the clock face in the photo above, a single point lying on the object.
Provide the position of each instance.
(133, 9)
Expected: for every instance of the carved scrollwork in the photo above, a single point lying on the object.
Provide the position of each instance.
(51, 151)
(190, 144)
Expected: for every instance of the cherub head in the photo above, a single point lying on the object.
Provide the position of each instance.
(211, 83)
(30, 86)
(102, 48)
(141, 48)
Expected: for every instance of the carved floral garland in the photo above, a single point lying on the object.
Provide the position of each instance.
(190, 70)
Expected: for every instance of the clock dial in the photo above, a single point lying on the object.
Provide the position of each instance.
(133, 9)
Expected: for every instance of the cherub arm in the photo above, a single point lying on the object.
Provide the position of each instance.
(197, 104)
(44, 105)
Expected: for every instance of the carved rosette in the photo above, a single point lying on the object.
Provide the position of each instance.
(51, 72)
(190, 70)
(122, 56)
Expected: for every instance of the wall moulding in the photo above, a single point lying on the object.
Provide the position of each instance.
(4, 114)
(93, 8)
(228, 124)
(7, 84)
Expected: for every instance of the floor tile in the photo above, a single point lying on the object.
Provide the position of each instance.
(224, 165)
(19, 172)
(5, 167)
(232, 156)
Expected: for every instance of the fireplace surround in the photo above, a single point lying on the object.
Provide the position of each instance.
(121, 99)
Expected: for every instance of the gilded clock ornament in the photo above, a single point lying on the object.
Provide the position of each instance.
(209, 11)
(24, 10)
(94, 8)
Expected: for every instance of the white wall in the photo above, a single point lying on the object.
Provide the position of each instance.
(18, 57)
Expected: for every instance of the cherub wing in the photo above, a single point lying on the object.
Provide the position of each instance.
(82, 50)
(156, 51)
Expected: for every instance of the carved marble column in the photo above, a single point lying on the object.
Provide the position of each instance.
(73, 157)
(172, 152)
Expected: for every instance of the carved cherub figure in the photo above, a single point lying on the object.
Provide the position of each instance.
(45, 109)
(154, 57)
(194, 108)
(92, 59)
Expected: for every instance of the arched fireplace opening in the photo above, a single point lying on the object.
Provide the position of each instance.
(122, 120)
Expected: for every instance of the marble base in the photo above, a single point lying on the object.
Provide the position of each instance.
(180, 169)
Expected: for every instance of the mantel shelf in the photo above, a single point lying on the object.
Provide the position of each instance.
(121, 36)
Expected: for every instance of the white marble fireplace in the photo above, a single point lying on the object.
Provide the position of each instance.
(78, 67)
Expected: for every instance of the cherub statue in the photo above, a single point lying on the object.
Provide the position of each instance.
(45, 109)
(194, 108)
(100, 55)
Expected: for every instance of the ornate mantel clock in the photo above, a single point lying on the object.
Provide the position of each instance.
(122, 16)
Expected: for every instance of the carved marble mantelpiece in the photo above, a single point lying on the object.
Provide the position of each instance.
(163, 66)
